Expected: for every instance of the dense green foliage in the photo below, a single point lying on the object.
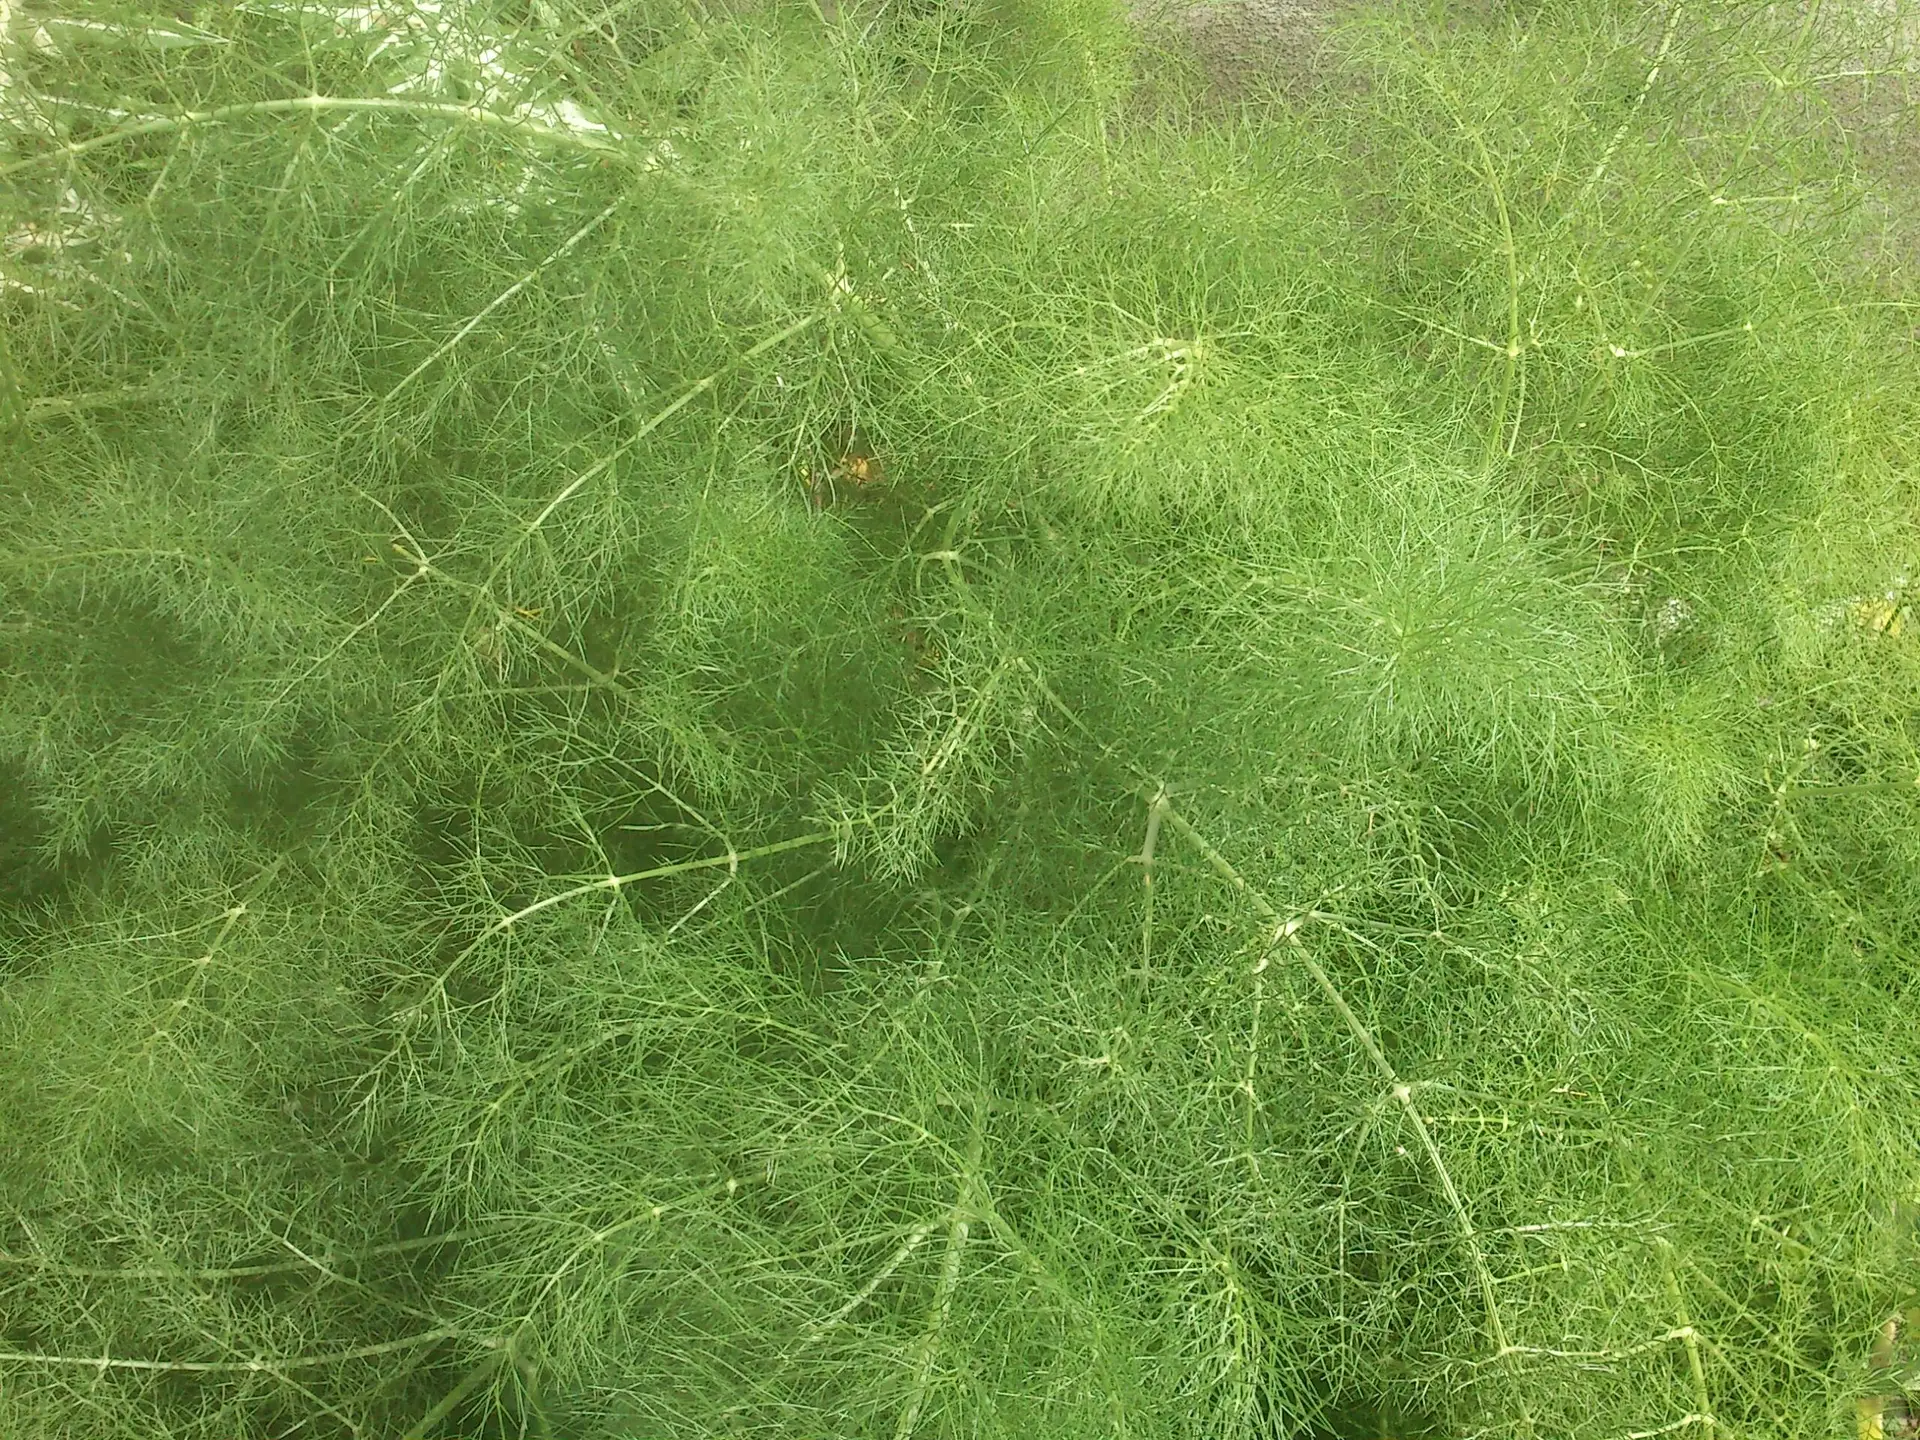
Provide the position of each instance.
(719, 724)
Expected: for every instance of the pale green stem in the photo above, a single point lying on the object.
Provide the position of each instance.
(324, 104)
(232, 1367)
(1288, 928)
(1689, 1337)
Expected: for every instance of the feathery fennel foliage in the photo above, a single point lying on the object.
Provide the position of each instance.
(721, 723)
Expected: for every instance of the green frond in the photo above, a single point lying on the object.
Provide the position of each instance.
(920, 720)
